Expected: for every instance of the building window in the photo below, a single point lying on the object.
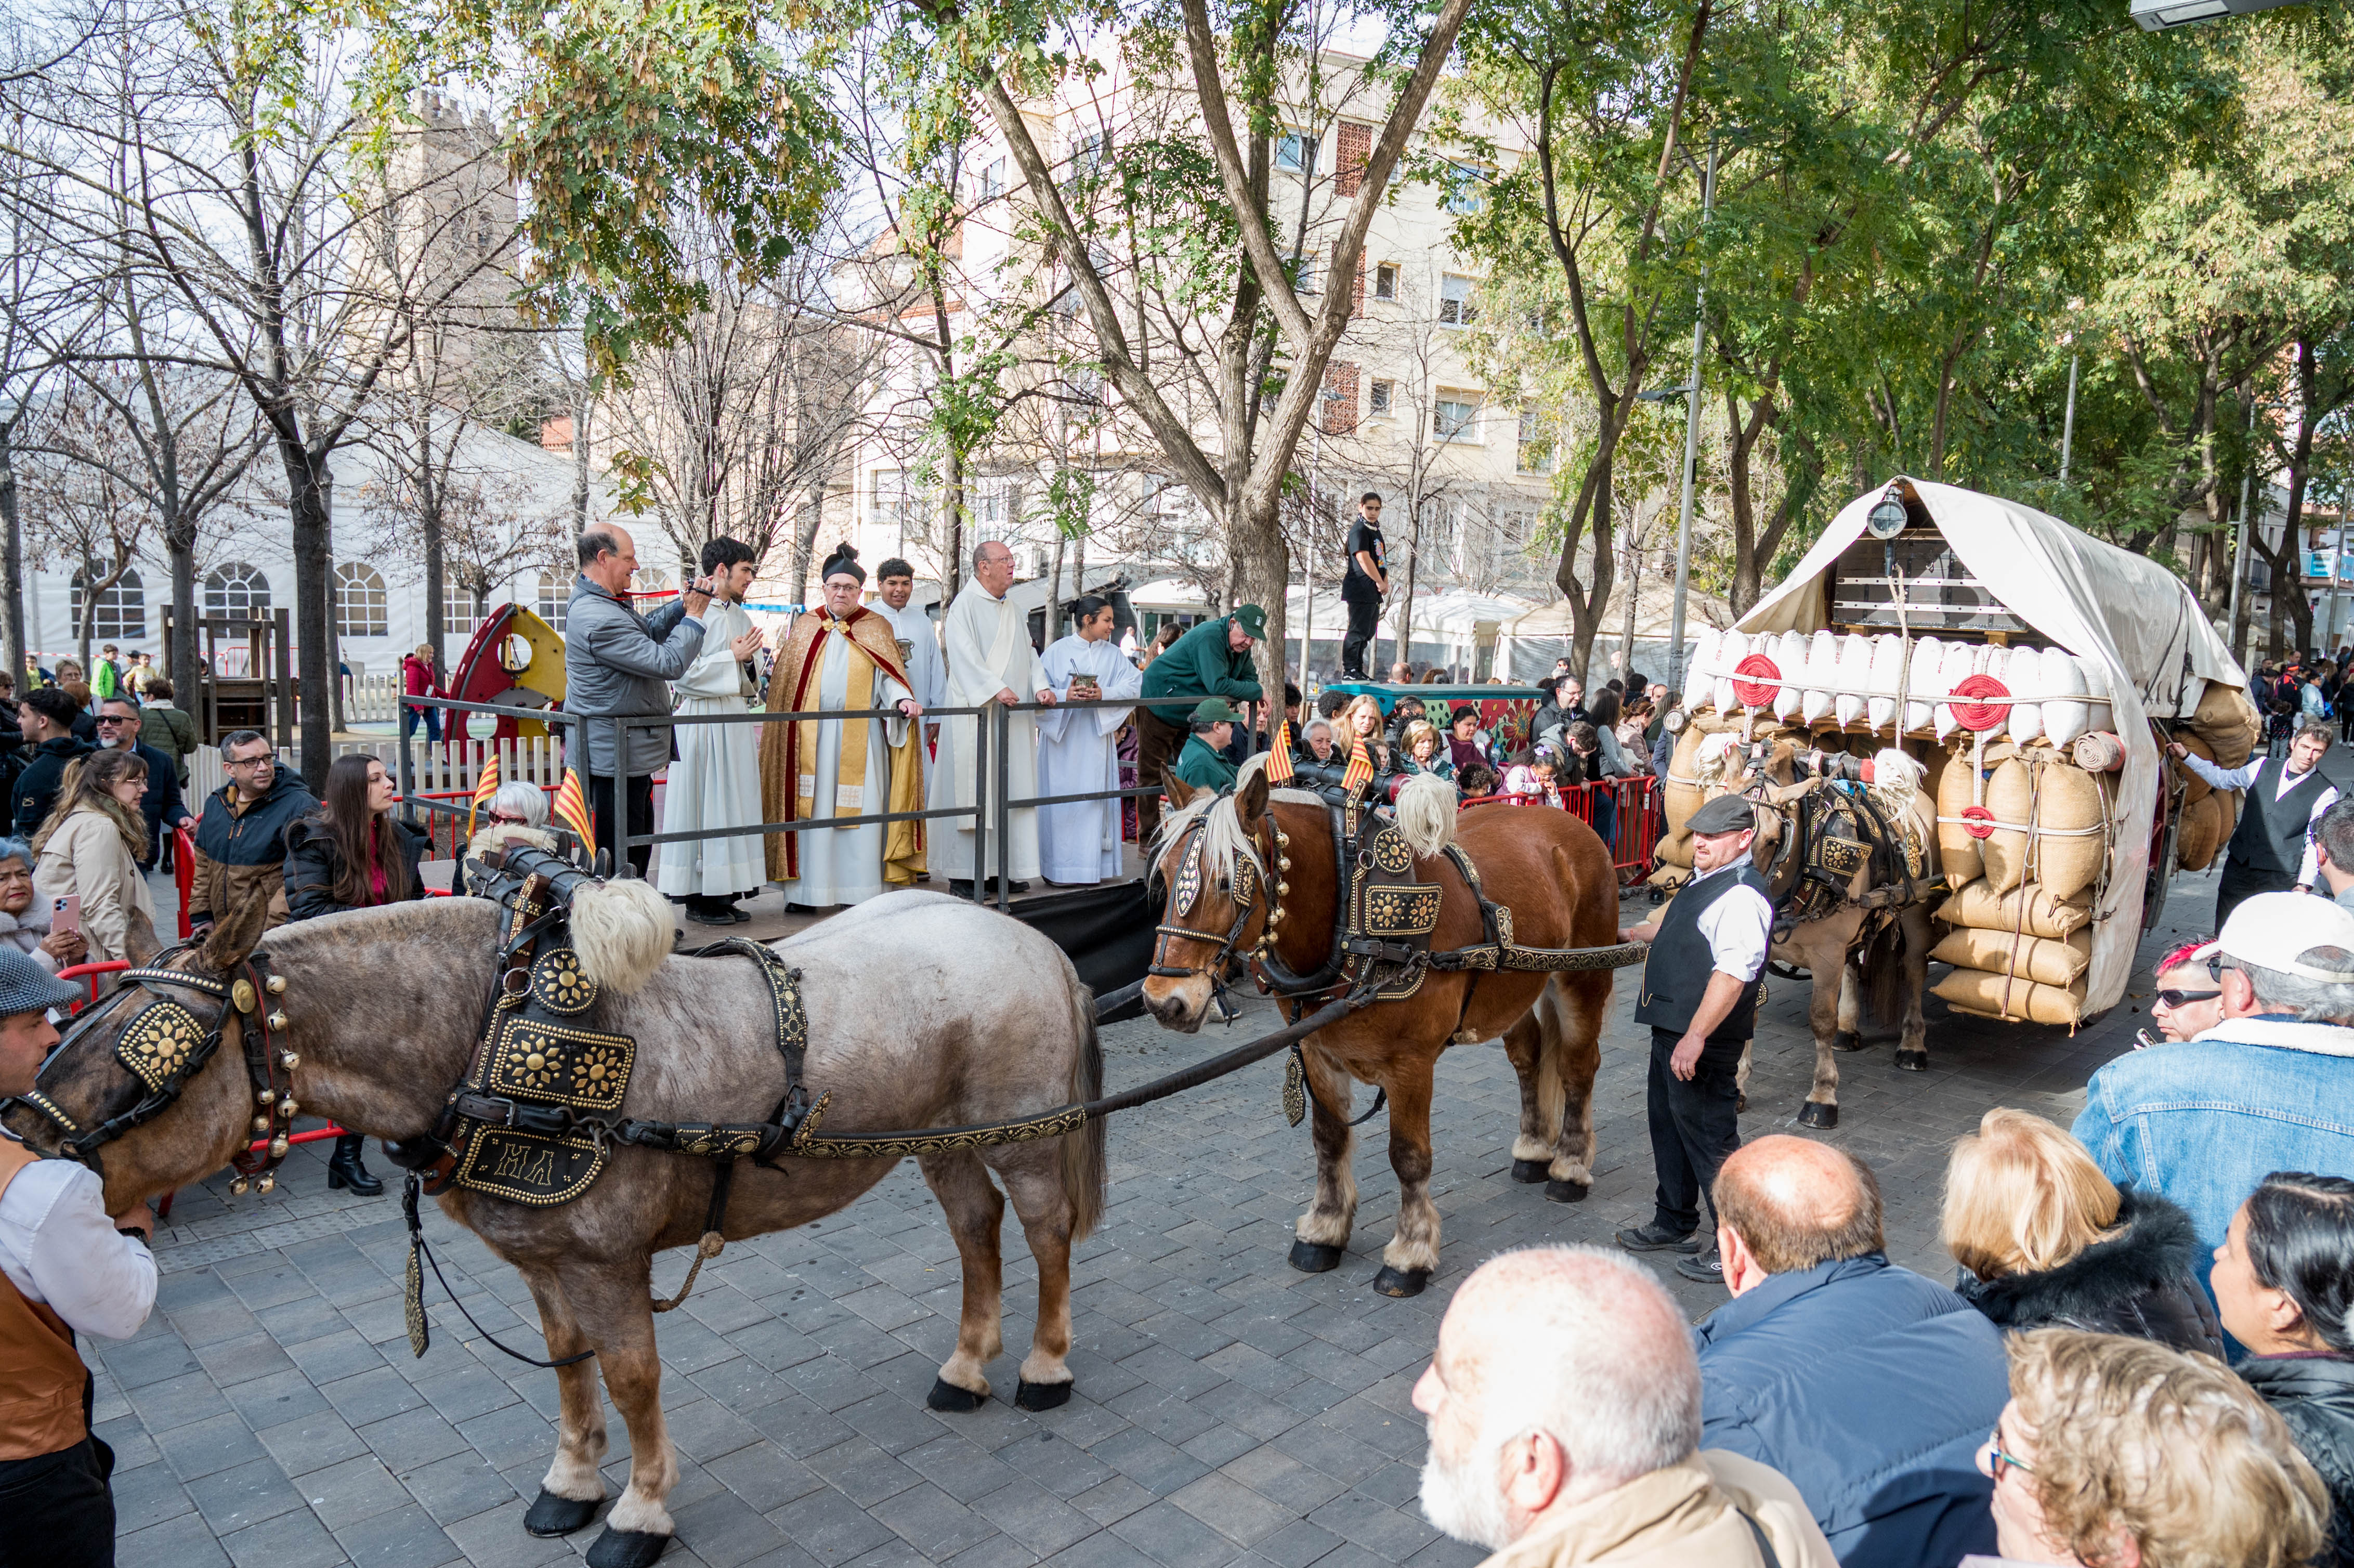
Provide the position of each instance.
(992, 179)
(1386, 281)
(1467, 189)
(1383, 392)
(461, 607)
(649, 582)
(1458, 305)
(121, 610)
(892, 503)
(991, 503)
(362, 607)
(1455, 417)
(237, 590)
(1305, 273)
(1088, 150)
(1295, 153)
(1535, 455)
(555, 592)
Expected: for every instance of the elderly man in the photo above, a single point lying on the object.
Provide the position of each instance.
(2270, 1089)
(1213, 658)
(990, 660)
(1563, 1405)
(1868, 1386)
(619, 664)
(2272, 849)
(1700, 997)
(241, 836)
(66, 1267)
(118, 727)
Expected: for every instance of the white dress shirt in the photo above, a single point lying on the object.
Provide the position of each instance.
(2308, 871)
(58, 1247)
(1737, 927)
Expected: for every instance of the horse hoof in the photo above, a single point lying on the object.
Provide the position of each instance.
(1815, 1114)
(1041, 1395)
(1568, 1192)
(1530, 1172)
(1311, 1257)
(553, 1515)
(946, 1395)
(1404, 1281)
(1846, 1040)
(626, 1549)
(1913, 1061)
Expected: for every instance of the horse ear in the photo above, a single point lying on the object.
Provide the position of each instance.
(1181, 794)
(234, 935)
(1250, 800)
(139, 943)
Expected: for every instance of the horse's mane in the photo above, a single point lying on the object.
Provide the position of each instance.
(1425, 817)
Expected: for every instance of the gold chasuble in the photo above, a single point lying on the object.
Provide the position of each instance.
(790, 788)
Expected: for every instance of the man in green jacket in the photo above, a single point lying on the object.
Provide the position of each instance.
(1212, 660)
(1203, 763)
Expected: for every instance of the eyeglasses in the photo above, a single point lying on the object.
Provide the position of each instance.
(2174, 999)
(267, 760)
(1997, 1461)
(116, 718)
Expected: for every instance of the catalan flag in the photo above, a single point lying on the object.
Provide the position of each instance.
(571, 809)
(1278, 761)
(1360, 771)
(484, 788)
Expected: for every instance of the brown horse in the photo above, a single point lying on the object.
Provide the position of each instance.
(1547, 867)
(923, 1010)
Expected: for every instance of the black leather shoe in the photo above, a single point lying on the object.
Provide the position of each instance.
(711, 917)
(1656, 1237)
(344, 1170)
(1709, 1270)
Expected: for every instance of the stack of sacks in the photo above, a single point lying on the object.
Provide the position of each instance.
(1853, 681)
(2209, 814)
(2018, 946)
(1703, 759)
(2019, 955)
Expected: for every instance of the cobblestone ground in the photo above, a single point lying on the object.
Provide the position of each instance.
(1228, 1410)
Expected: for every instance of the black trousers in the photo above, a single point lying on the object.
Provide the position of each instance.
(1157, 742)
(60, 1509)
(1695, 1125)
(641, 817)
(2241, 881)
(1363, 614)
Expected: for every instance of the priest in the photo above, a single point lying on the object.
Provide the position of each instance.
(842, 659)
(990, 660)
(1078, 843)
(714, 782)
(894, 586)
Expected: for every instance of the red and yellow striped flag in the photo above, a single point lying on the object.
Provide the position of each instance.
(1278, 761)
(484, 788)
(571, 808)
(1360, 769)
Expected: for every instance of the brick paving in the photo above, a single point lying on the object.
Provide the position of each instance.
(1228, 1410)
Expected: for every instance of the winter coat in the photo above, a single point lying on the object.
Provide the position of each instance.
(1698, 1511)
(498, 836)
(1203, 662)
(241, 848)
(171, 732)
(86, 857)
(2315, 1394)
(26, 932)
(313, 863)
(2143, 1282)
(36, 786)
(619, 664)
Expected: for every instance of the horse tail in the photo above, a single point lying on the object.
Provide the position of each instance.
(1883, 975)
(1083, 1165)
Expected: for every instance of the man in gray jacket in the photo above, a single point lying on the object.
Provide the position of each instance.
(619, 664)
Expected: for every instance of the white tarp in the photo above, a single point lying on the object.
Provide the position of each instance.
(2092, 599)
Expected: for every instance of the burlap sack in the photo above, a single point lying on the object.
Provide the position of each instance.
(2201, 832)
(2231, 802)
(1975, 905)
(2035, 957)
(2067, 797)
(1683, 799)
(1676, 850)
(1670, 878)
(2009, 795)
(2227, 721)
(2195, 788)
(1956, 851)
(2099, 752)
(1992, 996)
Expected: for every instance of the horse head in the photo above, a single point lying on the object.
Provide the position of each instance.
(1211, 862)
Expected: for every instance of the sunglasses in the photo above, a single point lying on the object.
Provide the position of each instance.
(2173, 999)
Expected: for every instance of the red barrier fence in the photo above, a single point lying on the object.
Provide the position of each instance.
(1634, 826)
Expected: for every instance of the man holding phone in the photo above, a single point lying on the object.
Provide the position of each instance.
(66, 1266)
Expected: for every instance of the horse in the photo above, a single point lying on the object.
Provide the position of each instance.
(923, 1010)
(1547, 867)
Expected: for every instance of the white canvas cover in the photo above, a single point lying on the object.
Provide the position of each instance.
(2093, 599)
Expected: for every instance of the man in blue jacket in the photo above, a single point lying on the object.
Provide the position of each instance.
(119, 730)
(1869, 1386)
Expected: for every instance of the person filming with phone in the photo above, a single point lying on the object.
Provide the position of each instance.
(88, 856)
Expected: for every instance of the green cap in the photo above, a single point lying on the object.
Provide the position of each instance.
(1215, 710)
(1251, 619)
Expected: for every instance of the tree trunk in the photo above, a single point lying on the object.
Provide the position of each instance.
(953, 522)
(580, 461)
(180, 649)
(1585, 607)
(1262, 572)
(429, 522)
(805, 529)
(12, 563)
(313, 663)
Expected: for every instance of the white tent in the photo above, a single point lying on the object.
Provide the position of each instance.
(2092, 599)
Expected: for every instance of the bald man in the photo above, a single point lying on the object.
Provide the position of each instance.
(1563, 1405)
(1869, 1386)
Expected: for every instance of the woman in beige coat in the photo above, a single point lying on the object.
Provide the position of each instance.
(89, 848)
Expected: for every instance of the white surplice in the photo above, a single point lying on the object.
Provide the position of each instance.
(914, 628)
(715, 780)
(1079, 843)
(987, 643)
(844, 865)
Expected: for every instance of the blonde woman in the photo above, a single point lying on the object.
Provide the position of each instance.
(2043, 1237)
(88, 850)
(1362, 720)
(1426, 750)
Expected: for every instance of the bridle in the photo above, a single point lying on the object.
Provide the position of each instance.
(165, 1045)
(1242, 887)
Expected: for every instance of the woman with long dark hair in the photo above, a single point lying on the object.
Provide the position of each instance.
(351, 855)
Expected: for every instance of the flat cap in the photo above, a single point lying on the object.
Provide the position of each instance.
(27, 986)
(1726, 814)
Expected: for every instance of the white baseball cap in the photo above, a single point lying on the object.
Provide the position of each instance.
(2276, 930)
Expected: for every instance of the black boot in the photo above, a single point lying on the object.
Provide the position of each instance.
(344, 1170)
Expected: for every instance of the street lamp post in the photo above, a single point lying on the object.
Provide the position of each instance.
(1691, 442)
(2068, 421)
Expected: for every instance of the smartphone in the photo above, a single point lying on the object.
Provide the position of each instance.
(65, 913)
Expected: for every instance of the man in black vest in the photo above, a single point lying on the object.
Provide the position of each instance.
(2272, 850)
(1700, 997)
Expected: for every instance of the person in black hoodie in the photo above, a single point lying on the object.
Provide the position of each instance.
(352, 855)
(2043, 1238)
(45, 717)
(2283, 1280)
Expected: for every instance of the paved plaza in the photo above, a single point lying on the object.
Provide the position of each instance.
(1228, 1410)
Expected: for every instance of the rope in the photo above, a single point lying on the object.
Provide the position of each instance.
(705, 1250)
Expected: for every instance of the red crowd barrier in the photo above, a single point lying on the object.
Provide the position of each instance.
(1634, 834)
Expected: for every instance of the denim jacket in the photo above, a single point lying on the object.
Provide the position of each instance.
(2203, 1122)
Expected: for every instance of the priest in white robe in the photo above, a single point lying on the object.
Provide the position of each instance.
(714, 781)
(990, 660)
(842, 659)
(1078, 843)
